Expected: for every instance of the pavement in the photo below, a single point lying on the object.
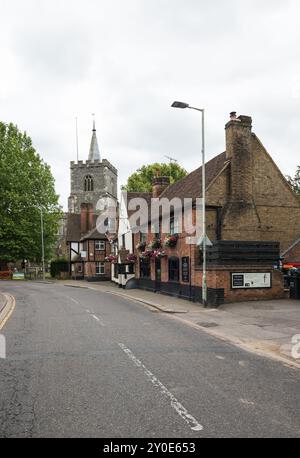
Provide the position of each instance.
(264, 327)
(90, 363)
(2, 301)
(6, 307)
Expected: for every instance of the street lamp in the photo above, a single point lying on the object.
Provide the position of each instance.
(177, 104)
(43, 248)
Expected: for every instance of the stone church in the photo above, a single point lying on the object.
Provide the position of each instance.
(87, 249)
(92, 179)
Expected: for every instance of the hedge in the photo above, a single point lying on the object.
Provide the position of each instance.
(57, 266)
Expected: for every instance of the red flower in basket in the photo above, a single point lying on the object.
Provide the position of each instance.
(131, 257)
(146, 254)
(157, 254)
(111, 258)
(171, 240)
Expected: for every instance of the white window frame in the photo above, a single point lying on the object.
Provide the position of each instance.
(99, 244)
(100, 268)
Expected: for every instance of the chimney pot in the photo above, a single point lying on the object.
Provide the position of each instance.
(159, 184)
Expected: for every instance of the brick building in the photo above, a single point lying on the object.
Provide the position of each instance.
(87, 248)
(251, 211)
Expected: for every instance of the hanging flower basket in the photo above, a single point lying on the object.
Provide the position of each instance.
(111, 258)
(171, 241)
(146, 254)
(155, 244)
(131, 258)
(141, 246)
(158, 254)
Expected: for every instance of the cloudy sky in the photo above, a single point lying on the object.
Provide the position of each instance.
(127, 60)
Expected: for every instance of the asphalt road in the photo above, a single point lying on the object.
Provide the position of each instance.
(81, 363)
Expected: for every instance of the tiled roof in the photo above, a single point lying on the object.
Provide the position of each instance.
(188, 187)
(191, 185)
(94, 235)
(73, 227)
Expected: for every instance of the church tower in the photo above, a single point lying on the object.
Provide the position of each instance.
(92, 179)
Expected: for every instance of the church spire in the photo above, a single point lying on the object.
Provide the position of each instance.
(94, 153)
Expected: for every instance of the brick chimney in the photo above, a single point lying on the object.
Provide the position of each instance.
(238, 150)
(91, 224)
(159, 184)
(86, 219)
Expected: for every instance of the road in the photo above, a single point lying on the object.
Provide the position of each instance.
(81, 363)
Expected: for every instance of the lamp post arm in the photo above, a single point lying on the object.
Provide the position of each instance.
(197, 109)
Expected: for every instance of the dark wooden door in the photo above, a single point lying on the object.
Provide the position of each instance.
(157, 274)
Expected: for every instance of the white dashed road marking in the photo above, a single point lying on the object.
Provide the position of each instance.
(98, 319)
(74, 300)
(247, 402)
(180, 409)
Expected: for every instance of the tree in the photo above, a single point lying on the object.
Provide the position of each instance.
(141, 180)
(26, 188)
(295, 182)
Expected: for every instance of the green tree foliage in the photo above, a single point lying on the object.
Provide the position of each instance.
(141, 180)
(26, 186)
(295, 182)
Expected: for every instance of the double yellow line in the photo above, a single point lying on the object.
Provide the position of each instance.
(9, 313)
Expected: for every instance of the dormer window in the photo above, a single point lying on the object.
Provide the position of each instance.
(88, 183)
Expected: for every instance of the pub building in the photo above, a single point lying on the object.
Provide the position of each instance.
(247, 201)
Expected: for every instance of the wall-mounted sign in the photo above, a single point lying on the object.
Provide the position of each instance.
(83, 254)
(185, 269)
(251, 280)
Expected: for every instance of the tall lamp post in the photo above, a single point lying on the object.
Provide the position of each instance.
(204, 282)
(42, 238)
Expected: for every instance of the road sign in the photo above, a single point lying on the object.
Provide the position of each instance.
(207, 241)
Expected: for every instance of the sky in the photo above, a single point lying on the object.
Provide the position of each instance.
(127, 61)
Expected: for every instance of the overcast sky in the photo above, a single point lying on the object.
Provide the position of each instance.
(127, 60)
